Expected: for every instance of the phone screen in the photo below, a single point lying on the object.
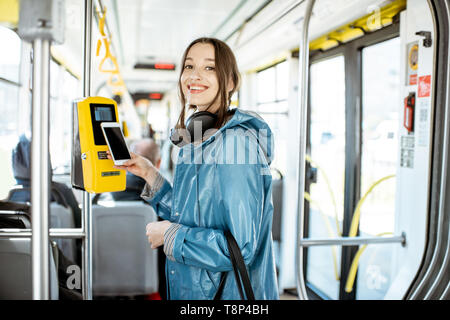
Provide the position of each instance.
(117, 143)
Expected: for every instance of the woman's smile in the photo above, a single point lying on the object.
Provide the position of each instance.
(196, 88)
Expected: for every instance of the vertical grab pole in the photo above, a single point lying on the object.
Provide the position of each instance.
(303, 98)
(87, 200)
(40, 170)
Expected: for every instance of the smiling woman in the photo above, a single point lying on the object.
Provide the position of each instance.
(210, 200)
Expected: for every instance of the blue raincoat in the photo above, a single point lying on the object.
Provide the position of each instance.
(224, 183)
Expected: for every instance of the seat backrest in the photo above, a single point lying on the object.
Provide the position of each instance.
(123, 262)
(62, 217)
(277, 200)
(15, 270)
(15, 255)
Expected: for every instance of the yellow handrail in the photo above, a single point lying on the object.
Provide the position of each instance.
(357, 214)
(101, 22)
(108, 55)
(307, 197)
(115, 80)
(354, 230)
(354, 266)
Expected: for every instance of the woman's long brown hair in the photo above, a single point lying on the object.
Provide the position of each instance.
(226, 69)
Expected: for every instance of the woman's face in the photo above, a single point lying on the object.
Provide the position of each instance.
(199, 79)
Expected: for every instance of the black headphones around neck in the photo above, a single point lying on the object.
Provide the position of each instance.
(180, 136)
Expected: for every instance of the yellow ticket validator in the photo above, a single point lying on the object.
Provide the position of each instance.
(92, 171)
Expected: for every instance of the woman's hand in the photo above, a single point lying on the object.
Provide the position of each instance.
(138, 166)
(155, 232)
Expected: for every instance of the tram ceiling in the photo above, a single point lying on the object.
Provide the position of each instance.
(156, 31)
(279, 24)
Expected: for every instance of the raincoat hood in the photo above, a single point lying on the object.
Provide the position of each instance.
(250, 124)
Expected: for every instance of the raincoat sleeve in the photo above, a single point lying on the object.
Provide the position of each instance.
(159, 196)
(240, 198)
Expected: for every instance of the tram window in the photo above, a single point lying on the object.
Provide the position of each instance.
(10, 58)
(272, 84)
(54, 78)
(8, 134)
(9, 104)
(282, 80)
(327, 137)
(65, 90)
(380, 118)
(272, 106)
(266, 86)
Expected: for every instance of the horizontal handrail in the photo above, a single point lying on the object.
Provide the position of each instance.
(11, 212)
(61, 233)
(351, 241)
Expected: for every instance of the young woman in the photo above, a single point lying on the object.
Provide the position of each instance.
(230, 188)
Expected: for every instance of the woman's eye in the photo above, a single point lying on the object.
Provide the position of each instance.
(210, 68)
(188, 66)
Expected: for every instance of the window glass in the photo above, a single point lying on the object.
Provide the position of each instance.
(326, 205)
(9, 95)
(282, 80)
(380, 121)
(272, 105)
(54, 79)
(266, 86)
(9, 55)
(61, 118)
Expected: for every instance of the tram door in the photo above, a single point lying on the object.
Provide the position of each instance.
(353, 151)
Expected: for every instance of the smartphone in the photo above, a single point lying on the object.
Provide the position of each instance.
(116, 142)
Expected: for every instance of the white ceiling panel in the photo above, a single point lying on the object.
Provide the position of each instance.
(159, 31)
(145, 31)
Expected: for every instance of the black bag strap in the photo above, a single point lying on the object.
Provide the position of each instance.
(221, 286)
(240, 271)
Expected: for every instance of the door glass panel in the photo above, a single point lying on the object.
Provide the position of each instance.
(380, 121)
(327, 92)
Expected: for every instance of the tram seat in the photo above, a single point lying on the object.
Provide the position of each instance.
(277, 200)
(15, 257)
(123, 262)
(61, 216)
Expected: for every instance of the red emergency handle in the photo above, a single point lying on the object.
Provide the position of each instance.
(408, 115)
